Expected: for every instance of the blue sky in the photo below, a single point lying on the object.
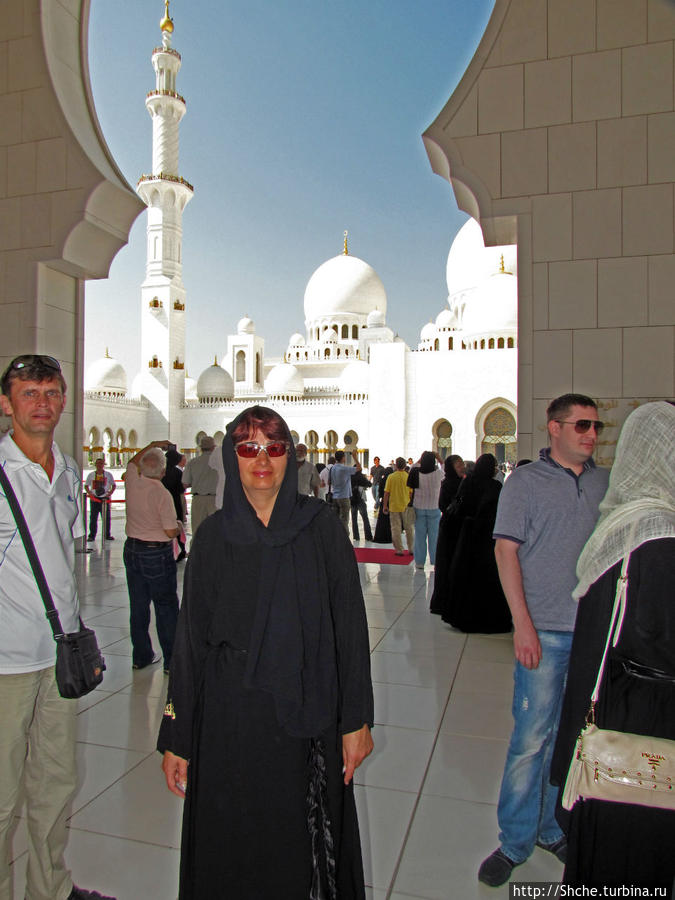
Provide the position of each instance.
(304, 118)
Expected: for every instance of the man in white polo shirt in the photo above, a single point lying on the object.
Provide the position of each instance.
(37, 735)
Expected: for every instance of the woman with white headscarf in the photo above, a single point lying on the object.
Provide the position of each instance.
(620, 843)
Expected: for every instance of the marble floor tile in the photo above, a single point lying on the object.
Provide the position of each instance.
(466, 768)
(383, 821)
(409, 668)
(409, 706)
(478, 714)
(399, 759)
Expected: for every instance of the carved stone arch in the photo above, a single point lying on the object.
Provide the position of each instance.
(510, 445)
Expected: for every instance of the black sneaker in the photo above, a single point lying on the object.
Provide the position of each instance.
(557, 848)
(496, 869)
(78, 893)
(109, 537)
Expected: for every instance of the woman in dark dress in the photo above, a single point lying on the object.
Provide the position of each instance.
(624, 843)
(454, 475)
(172, 481)
(382, 533)
(470, 597)
(270, 700)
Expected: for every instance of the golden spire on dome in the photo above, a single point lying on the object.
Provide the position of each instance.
(215, 359)
(502, 270)
(166, 24)
(107, 353)
(346, 251)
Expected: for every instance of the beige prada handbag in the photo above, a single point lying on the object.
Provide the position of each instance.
(614, 765)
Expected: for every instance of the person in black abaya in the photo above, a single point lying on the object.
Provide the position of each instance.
(382, 533)
(270, 699)
(470, 597)
(612, 844)
(454, 475)
(172, 481)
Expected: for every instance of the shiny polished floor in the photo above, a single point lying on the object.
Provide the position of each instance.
(427, 795)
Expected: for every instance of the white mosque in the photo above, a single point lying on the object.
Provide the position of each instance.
(348, 382)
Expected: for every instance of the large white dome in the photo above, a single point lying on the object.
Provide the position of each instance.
(215, 384)
(284, 379)
(344, 284)
(464, 268)
(106, 376)
(493, 308)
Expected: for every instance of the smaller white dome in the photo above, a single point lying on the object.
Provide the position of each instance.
(428, 333)
(246, 326)
(375, 319)
(215, 384)
(355, 378)
(190, 388)
(296, 340)
(106, 376)
(284, 379)
(446, 319)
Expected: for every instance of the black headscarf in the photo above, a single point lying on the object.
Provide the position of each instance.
(292, 650)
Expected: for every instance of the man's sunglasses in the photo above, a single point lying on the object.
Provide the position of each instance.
(35, 359)
(251, 449)
(581, 426)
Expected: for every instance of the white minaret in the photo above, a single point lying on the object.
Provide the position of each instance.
(162, 294)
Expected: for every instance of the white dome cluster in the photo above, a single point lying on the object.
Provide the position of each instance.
(482, 310)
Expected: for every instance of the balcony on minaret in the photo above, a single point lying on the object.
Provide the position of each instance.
(155, 363)
(155, 303)
(179, 306)
(177, 364)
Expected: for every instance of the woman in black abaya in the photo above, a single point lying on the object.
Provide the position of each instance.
(610, 843)
(270, 700)
(470, 596)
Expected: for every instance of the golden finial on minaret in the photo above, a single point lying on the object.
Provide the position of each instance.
(166, 23)
(502, 270)
(346, 251)
(107, 353)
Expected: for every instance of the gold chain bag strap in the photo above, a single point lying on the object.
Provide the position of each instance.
(614, 765)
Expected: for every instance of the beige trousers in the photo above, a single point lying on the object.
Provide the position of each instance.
(37, 752)
(203, 505)
(402, 521)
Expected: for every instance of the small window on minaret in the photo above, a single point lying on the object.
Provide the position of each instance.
(240, 366)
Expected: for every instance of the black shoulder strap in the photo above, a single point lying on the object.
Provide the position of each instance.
(52, 613)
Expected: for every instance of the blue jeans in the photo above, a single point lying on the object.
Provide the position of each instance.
(151, 577)
(527, 800)
(426, 532)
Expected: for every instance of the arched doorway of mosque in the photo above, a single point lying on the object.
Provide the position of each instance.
(442, 438)
(331, 441)
(312, 443)
(351, 442)
(498, 434)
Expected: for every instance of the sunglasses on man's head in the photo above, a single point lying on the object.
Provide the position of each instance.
(250, 449)
(33, 359)
(581, 426)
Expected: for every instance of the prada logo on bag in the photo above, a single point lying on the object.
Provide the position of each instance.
(654, 759)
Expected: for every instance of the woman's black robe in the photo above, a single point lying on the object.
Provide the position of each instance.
(245, 826)
(467, 592)
(622, 843)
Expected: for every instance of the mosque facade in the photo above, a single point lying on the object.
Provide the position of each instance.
(346, 382)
